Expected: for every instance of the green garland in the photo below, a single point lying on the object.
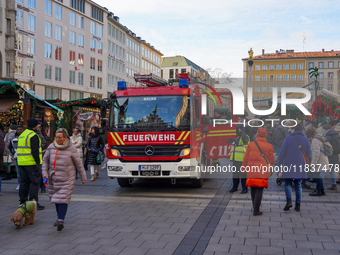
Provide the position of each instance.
(79, 102)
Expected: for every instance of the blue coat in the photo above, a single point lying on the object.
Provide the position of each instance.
(291, 157)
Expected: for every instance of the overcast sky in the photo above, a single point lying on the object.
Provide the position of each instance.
(218, 34)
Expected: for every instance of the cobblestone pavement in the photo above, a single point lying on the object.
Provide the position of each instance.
(159, 218)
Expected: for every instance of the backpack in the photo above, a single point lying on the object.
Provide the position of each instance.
(327, 149)
(336, 144)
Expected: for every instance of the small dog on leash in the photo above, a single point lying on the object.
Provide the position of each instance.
(27, 211)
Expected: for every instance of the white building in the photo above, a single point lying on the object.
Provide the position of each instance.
(133, 45)
(61, 48)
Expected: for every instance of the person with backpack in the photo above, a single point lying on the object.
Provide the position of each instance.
(319, 163)
(294, 155)
(334, 139)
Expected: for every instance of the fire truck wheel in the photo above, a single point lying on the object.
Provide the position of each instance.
(125, 182)
(197, 183)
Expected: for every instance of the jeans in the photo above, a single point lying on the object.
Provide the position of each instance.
(256, 198)
(319, 182)
(61, 211)
(297, 186)
(18, 170)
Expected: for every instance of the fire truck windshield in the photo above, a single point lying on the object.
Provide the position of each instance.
(140, 112)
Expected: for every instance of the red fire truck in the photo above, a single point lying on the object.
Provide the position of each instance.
(157, 131)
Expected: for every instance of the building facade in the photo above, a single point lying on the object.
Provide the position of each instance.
(7, 35)
(60, 49)
(133, 45)
(150, 59)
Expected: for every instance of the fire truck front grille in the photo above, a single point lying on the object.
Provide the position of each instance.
(158, 150)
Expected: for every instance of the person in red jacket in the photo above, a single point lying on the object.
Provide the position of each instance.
(256, 167)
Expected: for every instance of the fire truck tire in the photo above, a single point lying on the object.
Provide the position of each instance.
(124, 182)
(197, 183)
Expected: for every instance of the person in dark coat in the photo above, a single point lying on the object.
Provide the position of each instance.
(330, 135)
(2, 149)
(94, 145)
(279, 136)
(291, 158)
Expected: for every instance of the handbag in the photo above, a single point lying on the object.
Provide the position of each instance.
(100, 157)
(7, 159)
(264, 156)
(302, 151)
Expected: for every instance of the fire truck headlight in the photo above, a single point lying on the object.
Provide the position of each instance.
(115, 168)
(186, 168)
(185, 152)
(115, 152)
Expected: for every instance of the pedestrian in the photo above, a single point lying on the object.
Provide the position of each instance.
(270, 132)
(333, 159)
(319, 162)
(29, 156)
(2, 149)
(259, 155)
(12, 147)
(43, 147)
(253, 130)
(94, 145)
(294, 155)
(236, 156)
(8, 138)
(2, 131)
(307, 124)
(337, 129)
(320, 127)
(60, 163)
(77, 141)
(279, 136)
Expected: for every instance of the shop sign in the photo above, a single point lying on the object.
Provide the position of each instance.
(24, 32)
(24, 55)
(19, 6)
(95, 37)
(27, 100)
(85, 116)
(115, 57)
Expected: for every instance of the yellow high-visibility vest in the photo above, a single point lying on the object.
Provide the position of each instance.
(239, 150)
(24, 153)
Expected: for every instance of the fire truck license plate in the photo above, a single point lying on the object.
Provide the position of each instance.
(149, 167)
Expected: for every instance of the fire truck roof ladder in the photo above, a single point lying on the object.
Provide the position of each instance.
(150, 80)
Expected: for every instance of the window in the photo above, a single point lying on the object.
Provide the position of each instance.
(58, 33)
(31, 22)
(100, 65)
(264, 77)
(92, 81)
(300, 77)
(183, 70)
(74, 95)
(257, 88)
(264, 88)
(81, 41)
(285, 66)
(52, 93)
(31, 3)
(293, 85)
(100, 30)
(58, 12)
(18, 19)
(72, 57)
(48, 72)
(80, 59)
(320, 64)
(18, 41)
(48, 50)
(311, 64)
(292, 66)
(93, 27)
(93, 63)
(271, 77)
(271, 67)
(293, 77)
(278, 86)
(330, 76)
(171, 73)
(93, 45)
(300, 66)
(257, 77)
(48, 7)
(299, 85)
(330, 87)
(96, 13)
(264, 100)
(80, 79)
(320, 76)
(18, 65)
(100, 48)
(58, 74)
(257, 67)
(58, 53)
(99, 83)
(285, 77)
(72, 77)
(78, 5)
(8, 69)
(72, 18)
(278, 77)
(48, 29)
(278, 66)
(330, 64)
(20, 1)
(30, 68)
(81, 22)
(72, 37)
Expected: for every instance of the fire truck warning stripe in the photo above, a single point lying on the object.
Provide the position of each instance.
(222, 134)
(219, 131)
(120, 140)
(185, 137)
(180, 137)
(114, 138)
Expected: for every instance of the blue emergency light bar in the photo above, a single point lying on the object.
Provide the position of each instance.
(183, 83)
(121, 85)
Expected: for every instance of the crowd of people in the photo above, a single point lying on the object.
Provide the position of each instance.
(305, 151)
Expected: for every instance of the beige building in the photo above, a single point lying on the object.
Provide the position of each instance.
(150, 59)
(60, 48)
(7, 35)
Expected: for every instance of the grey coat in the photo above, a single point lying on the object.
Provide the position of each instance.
(61, 170)
(280, 134)
(318, 158)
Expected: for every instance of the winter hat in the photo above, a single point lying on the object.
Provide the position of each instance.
(326, 127)
(261, 132)
(13, 127)
(32, 123)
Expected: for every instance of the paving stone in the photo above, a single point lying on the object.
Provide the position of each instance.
(298, 251)
(331, 246)
(301, 237)
(257, 241)
(283, 243)
(320, 238)
(243, 248)
(269, 250)
(309, 245)
(232, 240)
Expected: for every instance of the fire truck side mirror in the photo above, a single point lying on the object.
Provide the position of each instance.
(205, 120)
(103, 107)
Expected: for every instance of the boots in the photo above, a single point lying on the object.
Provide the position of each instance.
(297, 207)
(93, 178)
(333, 187)
(96, 175)
(288, 205)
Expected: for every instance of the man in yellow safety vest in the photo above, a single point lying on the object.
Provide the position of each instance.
(236, 156)
(29, 157)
